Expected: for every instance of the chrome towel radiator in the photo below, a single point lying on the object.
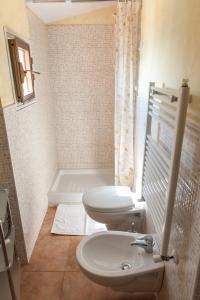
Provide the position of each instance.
(166, 107)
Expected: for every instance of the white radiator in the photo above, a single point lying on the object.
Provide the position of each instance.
(166, 107)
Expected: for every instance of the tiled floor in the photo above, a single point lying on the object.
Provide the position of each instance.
(53, 273)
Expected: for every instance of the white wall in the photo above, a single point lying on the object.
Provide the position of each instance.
(32, 141)
(170, 47)
(81, 59)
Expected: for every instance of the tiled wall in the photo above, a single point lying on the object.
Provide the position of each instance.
(18, 22)
(169, 52)
(185, 235)
(197, 291)
(32, 144)
(7, 182)
(82, 82)
(181, 281)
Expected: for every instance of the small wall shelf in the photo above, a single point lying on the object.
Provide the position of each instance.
(9, 243)
(7, 240)
(3, 205)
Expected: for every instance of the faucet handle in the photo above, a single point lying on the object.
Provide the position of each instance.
(146, 238)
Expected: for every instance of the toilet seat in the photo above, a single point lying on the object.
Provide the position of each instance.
(107, 199)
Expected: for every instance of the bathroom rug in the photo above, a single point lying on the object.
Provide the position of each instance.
(71, 219)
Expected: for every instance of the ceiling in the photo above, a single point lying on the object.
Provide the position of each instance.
(50, 12)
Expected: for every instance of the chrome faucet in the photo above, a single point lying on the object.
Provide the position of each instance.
(145, 242)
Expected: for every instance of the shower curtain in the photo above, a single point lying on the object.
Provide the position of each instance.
(126, 68)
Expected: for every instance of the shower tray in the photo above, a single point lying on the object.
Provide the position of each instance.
(70, 184)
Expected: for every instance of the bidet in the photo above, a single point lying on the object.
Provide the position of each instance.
(145, 242)
(108, 259)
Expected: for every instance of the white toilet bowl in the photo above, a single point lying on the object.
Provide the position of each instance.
(115, 207)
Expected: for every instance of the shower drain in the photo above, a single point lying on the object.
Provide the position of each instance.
(126, 266)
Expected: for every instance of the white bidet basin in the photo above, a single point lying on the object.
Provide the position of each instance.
(107, 258)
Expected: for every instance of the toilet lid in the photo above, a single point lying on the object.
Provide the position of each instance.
(109, 199)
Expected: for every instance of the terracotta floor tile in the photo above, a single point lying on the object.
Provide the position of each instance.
(47, 223)
(50, 213)
(41, 285)
(45, 231)
(72, 264)
(49, 255)
(44, 278)
(49, 217)
(115, 295)
(77, 287)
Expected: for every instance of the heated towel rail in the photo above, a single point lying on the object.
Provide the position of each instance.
(166, 107)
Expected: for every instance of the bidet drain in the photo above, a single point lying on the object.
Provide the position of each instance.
(126, 266)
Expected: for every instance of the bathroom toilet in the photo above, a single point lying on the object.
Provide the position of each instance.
(115, 207)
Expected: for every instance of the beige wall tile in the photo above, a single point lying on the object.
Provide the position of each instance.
(32, 144)
(82, 82)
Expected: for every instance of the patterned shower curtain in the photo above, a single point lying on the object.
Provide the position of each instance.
(126, 68)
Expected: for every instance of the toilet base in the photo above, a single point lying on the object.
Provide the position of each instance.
(132, 223)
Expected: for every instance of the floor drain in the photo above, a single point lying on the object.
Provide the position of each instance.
(126, 266)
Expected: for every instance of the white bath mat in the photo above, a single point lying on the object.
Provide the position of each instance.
(72, 220)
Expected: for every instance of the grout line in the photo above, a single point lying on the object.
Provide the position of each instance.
(61, 290)
(43, 272)
(33, 271)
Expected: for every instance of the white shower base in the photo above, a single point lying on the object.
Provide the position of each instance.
(69, 185)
